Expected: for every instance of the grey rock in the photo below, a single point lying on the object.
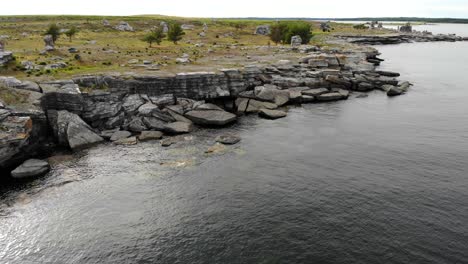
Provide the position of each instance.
(124, 26)
(262, 30)
(388, 73)
(178, 128)
(4, 113)
(59, 96)
(49, 43)
(71, 131)
(308, 99)
(154, 123)
(211, 117)
(205, 107)
(168, 142)
(265, 93)
(136, 124)
(31, 168)
(120, 135)
(150, 135)
(296, 41)
(245, 105)
(12, 82)
(163, 100)
(132, 103)
(147, 109)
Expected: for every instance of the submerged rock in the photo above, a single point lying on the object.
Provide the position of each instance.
(398, 90)
(228, 139)
(272, 114)
(216, 149)
(31, 168)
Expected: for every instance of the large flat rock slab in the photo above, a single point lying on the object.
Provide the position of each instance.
(211, 117)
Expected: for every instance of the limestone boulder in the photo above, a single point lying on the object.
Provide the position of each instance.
(71, 131)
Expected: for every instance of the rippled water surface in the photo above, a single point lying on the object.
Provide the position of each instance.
(370, 180)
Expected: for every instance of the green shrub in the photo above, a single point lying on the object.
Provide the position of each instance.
(284, 31)
(71, 32)
(155, 36)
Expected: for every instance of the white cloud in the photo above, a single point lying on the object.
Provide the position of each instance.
(242, 8)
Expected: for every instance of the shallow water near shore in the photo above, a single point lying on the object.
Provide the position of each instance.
(368, 180)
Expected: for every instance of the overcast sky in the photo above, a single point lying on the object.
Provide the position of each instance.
(241, 8)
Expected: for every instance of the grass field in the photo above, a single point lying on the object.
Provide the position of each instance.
(228, 43)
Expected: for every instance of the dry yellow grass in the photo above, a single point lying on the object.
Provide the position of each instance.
(224, 45)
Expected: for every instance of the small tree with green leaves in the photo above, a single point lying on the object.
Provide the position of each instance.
(54, 31)
(175, 33)
(155, 36)
(71, 32)
(278, 32)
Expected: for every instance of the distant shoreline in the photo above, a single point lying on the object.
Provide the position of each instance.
(388, 19)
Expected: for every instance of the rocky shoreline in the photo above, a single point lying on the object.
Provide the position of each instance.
(128, 109)
(398, 38)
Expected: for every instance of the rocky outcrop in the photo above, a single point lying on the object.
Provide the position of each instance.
(153, 105)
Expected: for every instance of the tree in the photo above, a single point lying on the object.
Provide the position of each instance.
(175, 32)
(71, 32)
(155, 36)
(54, 31)
(277, 32)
